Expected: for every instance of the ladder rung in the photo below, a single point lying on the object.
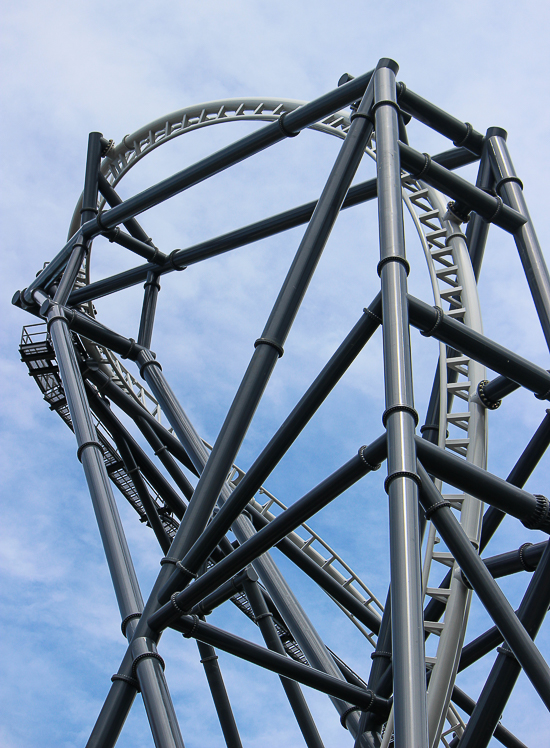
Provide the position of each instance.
(434, 627)
(429, 216)
(460, 446)
(419, 194)
(328, 562)
(460, 420)
(441, 252)
(459, 389)
(455, 499)
(434, 236)
(443, 557)
(447, 270)
(438, 593)
(456, 312)
(460, 364)
(451, 293)
(458, 416)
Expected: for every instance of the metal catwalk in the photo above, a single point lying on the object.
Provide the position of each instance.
(215, 524)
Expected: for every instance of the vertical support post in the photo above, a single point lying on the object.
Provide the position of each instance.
(160, 710)
(510, 188)
(87, 212)
(478, 228)
(152, 288)
(381, 657)
(161, 451)
(400, 420)
(91, 456)
(117, 705)
(91, 178)
(143, 492)
(299, 706)
(209, 660)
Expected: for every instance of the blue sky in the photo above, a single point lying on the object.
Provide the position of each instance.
(71, 68)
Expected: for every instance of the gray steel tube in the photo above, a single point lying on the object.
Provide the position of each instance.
(209, 660)
(510, 188)
(285, 666)
(400, 421)
(114, 711)
(294, 694)
(90, 454)
(158, 704)
(488, 591)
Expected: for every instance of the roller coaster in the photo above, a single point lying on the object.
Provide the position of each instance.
(216, 523)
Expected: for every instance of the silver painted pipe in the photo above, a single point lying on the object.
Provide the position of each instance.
(400, 420)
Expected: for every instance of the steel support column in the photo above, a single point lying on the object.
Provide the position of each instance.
(114, 711)
(400, 420)
(209, 660)
(510, 188)
(477, 229)
(147, 321)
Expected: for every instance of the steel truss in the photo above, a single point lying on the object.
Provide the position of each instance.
(408, 697)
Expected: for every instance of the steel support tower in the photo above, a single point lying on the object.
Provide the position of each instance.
(215, 523)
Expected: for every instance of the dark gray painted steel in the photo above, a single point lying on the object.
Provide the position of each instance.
(209, 660)
(510, 189)
(400, 421)
(488, 591)
(194, 544)
(181, 258)
(299, 706)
